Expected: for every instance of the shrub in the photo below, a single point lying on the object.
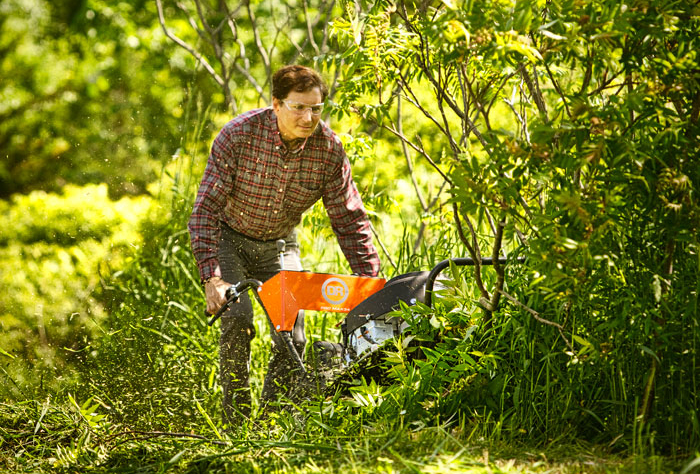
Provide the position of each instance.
(53, 247)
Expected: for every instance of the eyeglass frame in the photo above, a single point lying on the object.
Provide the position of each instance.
(310, 107)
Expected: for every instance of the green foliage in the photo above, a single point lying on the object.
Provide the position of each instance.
(89, 95)
(576, 126)
(53, 249)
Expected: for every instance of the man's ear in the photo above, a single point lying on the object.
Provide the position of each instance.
(276, 104)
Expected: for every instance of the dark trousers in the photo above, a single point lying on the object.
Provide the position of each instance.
(239, 258)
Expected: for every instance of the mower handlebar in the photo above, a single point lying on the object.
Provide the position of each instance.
(432, 276)
(234, 292)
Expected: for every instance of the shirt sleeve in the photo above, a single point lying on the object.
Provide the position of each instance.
(350, 222)
(205, 222)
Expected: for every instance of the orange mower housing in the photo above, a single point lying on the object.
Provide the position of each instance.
(283, 295)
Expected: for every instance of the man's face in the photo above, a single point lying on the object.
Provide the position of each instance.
(295, 117)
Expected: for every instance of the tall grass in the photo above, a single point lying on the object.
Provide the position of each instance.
(49, 437)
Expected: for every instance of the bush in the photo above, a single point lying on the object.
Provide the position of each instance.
(53, 249)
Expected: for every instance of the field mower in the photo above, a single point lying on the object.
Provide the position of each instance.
(370, 304)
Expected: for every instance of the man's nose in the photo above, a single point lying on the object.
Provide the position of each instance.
(306, 114)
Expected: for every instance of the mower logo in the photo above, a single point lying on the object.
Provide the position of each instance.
(335, 291)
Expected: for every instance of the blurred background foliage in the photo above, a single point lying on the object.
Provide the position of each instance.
(80, 104)
(55, 248)
(566, 132)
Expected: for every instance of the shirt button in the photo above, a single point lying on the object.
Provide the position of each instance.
(275, 211)
(280, 190)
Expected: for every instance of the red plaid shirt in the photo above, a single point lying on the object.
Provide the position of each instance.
(260, 189)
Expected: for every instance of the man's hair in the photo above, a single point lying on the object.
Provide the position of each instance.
(296, 78)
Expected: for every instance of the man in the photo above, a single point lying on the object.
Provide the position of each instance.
(267, 167)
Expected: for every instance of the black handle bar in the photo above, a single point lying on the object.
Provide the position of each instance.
(232, 294)
(432, 276)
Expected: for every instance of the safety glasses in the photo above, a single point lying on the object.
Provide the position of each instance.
(299, 109)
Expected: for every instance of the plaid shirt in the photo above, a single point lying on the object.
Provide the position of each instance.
(260, 189)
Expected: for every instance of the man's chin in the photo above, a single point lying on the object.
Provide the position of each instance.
(304, 132)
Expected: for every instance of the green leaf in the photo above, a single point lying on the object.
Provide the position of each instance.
(208, 419)
(6, 354)
(646, 350)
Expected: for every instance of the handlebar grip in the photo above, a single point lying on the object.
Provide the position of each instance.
(233, 292)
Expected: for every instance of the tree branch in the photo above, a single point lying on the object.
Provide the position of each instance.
(198, 56)
(473, 249)
(500, 272)
(540, 319)
(535, 91)
(264, 56)
(418, 149)
(309, 28)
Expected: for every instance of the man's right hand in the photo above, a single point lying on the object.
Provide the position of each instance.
(215, 292)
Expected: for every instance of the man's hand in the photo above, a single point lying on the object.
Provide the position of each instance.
(215, 292)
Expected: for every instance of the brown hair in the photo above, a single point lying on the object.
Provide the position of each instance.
(295, 78)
